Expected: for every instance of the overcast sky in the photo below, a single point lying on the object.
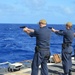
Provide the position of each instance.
(31, 11)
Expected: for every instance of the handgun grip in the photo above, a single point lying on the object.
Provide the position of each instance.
(23, 27)
(50, 27)
(61, 30)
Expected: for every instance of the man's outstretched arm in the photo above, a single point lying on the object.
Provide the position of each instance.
(54, 30)
(28, 30)
(58, 32)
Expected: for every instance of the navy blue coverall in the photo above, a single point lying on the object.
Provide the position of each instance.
(68, 36)
(42, 50)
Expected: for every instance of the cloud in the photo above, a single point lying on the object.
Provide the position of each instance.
(67, 10)
(63, 10)
(28, 9)
(73, 1)
(11, 9)
(5, 7)
(34, 5)
(43, 6)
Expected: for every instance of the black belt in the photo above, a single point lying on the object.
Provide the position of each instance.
(64, 45)
(37, 48)
(67, 44)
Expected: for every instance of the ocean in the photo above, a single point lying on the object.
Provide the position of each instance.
(16, 45)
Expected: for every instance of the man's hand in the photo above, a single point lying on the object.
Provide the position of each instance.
(28, 30)
(74, 34)
(54, 30)
(25, 29)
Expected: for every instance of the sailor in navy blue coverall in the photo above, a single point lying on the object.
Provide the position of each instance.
(42, 49)
(68, 36)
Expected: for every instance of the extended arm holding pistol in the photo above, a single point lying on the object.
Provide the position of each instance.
(26, 29)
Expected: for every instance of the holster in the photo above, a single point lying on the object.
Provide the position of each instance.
(64, 45)
(47, 57)
(36, 48)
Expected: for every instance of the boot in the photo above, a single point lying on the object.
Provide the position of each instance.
(66, 74)
(70, 72)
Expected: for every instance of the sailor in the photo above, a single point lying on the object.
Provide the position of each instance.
(42, 49)
(68, 36)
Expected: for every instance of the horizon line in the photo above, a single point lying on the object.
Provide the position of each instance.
(31, 23)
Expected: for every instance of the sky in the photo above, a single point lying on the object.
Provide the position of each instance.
(31, 11)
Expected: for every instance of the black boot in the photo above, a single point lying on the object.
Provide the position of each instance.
(70, 72)
(65, 74)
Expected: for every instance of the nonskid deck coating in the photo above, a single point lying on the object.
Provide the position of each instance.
(53, 69)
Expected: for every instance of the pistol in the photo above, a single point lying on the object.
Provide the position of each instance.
(50, 27)
(23, 27)
(60, 30)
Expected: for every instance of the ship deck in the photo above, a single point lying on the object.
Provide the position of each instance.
(53, 69)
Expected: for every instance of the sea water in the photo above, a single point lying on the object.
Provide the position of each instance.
(16, 45)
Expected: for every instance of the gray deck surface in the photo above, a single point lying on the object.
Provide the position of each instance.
(53, 69)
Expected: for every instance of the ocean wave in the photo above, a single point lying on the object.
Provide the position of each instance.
(8, 39)
(16, 45)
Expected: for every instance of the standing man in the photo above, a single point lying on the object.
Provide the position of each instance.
(68, 36)
(42, 49)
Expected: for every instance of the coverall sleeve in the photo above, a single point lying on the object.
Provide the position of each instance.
(32, 34)
(60, 32)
